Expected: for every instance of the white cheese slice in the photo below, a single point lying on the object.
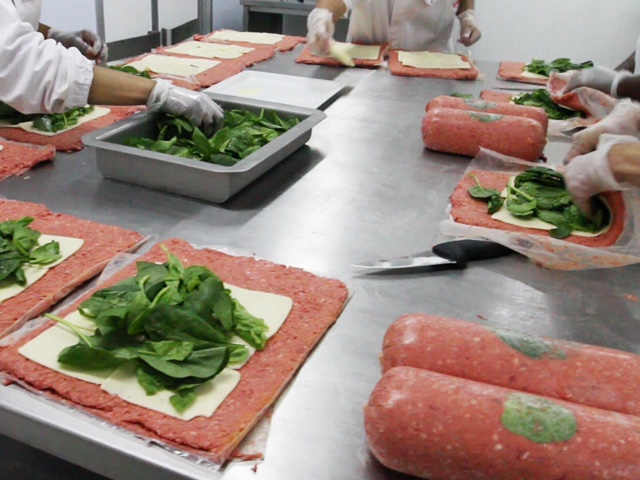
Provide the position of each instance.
(432, 60)
(528, 74)
(356, 52)
(123, 383)
(504, 216)
(45, 348)
(33, 273)
(210, 50)
(273, 309)
(248, 37)
(96, 113)
(168, 65)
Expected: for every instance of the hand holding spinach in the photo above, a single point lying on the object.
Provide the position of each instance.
(540, 192)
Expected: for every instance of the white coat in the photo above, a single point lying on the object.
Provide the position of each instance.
(413, 25)
(38, 75)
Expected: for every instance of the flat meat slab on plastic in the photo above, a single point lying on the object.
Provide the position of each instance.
(18, 158)
(397, 68)
(70, 140)
(317, 303)
(101, 244)
(469, 211)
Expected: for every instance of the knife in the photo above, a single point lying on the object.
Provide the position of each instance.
(455, 254)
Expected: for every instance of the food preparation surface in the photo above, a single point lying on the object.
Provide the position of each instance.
(363, 188)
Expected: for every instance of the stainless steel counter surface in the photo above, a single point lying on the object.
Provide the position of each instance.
(363, 188)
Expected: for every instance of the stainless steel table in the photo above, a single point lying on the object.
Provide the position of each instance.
(363, 188)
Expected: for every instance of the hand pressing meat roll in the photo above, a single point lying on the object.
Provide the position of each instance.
(441, 427)
(463, 133)
(595, 376)
(476, 105)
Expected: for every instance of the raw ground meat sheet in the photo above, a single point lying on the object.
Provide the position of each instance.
(71, 140)
(18, 158)
(222, 71)
(260, 53)
(512, 71)
(497, 97)
(397, 68)
(101, 244)
(467, 210)
(289, 42)
(317, 303)
(306, 56)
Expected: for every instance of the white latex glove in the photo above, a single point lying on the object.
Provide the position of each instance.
(197, 107)
(89, 44)
(600, 78)
(469, 33)
(320, 28)
(590, 174)
(624, 119)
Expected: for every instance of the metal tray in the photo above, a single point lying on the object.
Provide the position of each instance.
(189, 177)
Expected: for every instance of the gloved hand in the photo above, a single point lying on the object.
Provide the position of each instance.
(600, 78)
(320, 28)
(89, 44)
(590, 174)
(197, 107)
(624, 119)
(469, 33)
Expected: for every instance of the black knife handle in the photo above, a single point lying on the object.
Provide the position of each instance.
(464, 251)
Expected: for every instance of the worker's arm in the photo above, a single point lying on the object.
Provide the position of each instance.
(629, 87)
(337, 8)
(469, 32)
(466, 5)
(629, 64)
(111, 87)
(44, 30)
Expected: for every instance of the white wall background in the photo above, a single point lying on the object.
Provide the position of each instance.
(517, 30)
(69, 14)
(605, 31)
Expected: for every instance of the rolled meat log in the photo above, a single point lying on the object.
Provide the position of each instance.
(579, 373)
(463, 133)
(534, 113)
(441, 427)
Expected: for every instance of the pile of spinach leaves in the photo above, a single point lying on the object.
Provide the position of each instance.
(243, 133)
(541, 192)
(131, 70)
(542, 98)
(51, 122)
(18, 247)
(175, 323)
(559, 65)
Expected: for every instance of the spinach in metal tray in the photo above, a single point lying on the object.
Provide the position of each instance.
(244, 133)
(175, 323)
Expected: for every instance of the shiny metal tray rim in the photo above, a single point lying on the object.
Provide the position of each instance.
(42, 424)
(99, 138)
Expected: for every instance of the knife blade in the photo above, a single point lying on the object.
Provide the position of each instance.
(455, 254)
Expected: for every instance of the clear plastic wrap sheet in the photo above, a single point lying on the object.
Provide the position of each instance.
(546, 251)
(252, 448)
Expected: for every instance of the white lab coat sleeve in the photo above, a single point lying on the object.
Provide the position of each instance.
(38, 75)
